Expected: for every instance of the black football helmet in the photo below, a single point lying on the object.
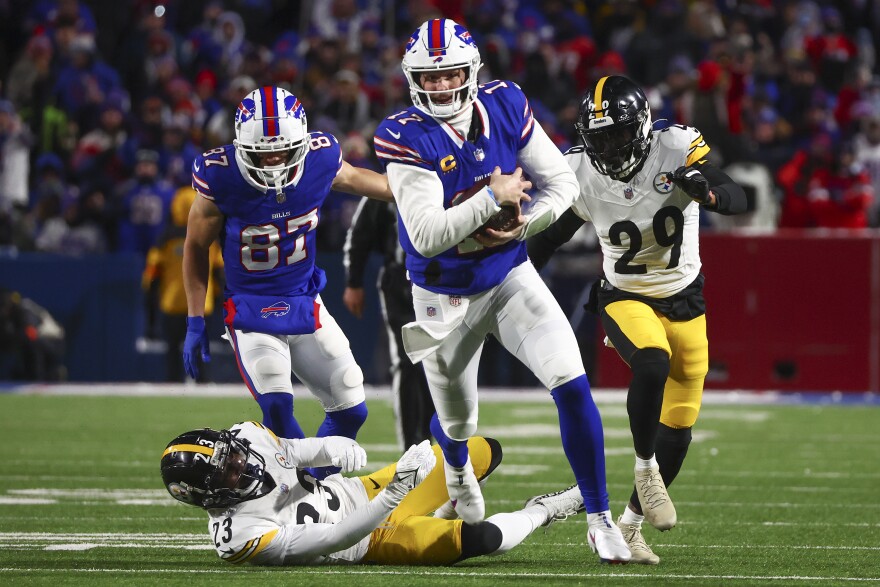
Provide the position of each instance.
(614, 123)
(213, 469)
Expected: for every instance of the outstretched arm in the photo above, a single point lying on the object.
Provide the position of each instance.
(544, 244)
(362, 182)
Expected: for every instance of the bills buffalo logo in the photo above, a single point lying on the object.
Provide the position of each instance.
(277, 309)
(662, 183)
(412, 40)
(454, 301)
(463, 34)
(246, 110)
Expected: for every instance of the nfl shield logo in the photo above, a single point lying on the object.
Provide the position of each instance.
(280, 197)
(432, 311)
(454, 301)
(479, 155)
(628, 193)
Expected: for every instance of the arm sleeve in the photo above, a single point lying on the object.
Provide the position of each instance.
(305, 452)
(556, 183)
(360, 240)
(431, 228)
(730, 198)
(544, 244)
(303, 543)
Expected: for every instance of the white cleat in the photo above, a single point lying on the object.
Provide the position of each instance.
(606, 540)
(656, 505)
(464, 492)
(559, 504)
(641, 552)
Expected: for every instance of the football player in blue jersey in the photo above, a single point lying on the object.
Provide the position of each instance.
(456, 162)
(262, 196)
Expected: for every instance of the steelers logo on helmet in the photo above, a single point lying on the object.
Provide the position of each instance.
(271, 121)
(441, 45)
(213, 469)
(615, 127)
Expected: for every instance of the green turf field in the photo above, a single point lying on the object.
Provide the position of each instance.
(770, 494)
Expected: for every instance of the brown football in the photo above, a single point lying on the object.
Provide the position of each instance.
(502, 220)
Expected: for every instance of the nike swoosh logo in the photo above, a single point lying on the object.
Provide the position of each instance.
(396, 135)
(196, 166)
(373, 481)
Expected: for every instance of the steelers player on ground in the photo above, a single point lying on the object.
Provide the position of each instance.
(265, 508)
(643, 191)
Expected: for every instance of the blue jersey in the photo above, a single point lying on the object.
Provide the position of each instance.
(412, 137)
(268, 238)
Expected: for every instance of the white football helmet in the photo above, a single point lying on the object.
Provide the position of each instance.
(441, 44)
(271, 119)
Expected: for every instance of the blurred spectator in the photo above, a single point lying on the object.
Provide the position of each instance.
(15, 143)
(84, 83)
(178, 151)
(98, 152)
(163, 281)
(219, 129)
(867, 154)
(31, 341)
(825, 187)
(347, 108)
(145, 205)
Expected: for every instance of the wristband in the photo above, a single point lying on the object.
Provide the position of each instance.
(492, 195)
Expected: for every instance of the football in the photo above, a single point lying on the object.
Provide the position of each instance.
(501, 220)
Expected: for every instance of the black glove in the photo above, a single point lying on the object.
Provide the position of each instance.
(692, 182)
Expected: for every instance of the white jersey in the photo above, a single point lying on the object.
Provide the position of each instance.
(293, 522)
(648, 228)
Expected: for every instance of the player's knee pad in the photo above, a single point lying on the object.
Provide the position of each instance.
(557, 357)
(269, 370)
(480, 539)
(651, 366)
(332, 341)
(680, 416)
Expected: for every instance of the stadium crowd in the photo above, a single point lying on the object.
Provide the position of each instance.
(105, 105)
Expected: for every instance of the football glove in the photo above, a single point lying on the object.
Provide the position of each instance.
(692, 182)
(195, 343)
(412, 468)
(344, 453)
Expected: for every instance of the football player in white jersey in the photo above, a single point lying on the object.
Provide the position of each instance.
(643, 191)
(455, 160)
(264, 508)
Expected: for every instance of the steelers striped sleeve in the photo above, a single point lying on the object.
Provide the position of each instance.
(250, 549)
(696, 151)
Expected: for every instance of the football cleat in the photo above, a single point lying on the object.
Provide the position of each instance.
(464, 492)
(641, 552)
(656, 505)
(606, 540)
(559, 504)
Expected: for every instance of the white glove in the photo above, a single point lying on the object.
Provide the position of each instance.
(345, 453)
(412, 468)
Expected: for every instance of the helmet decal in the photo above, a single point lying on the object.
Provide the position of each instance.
(436, 38)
